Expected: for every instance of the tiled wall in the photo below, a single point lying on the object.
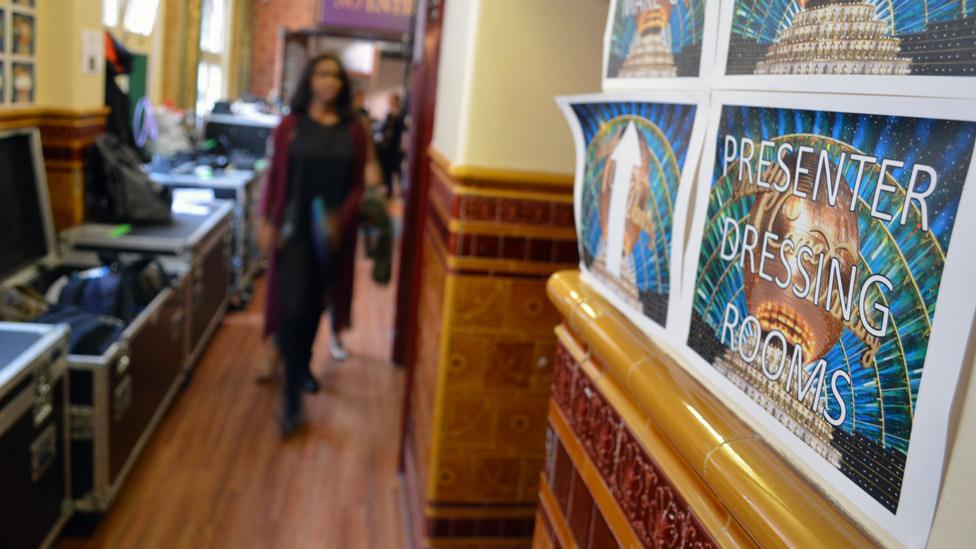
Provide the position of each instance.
(587, 434)
(270, 17)
(485, 356)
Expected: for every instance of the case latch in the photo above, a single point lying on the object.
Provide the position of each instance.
(80, 424)
(43, 451)
(122, 398)
(42, 394)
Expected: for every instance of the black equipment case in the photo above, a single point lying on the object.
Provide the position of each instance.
(34, 456)
(241, 187)
(197, 241)
(117, 398)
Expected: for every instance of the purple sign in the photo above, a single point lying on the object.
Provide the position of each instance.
(394, 16)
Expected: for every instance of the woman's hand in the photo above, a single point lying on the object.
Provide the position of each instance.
(267, 238)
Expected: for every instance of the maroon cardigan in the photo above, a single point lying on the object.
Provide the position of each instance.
(274, 199)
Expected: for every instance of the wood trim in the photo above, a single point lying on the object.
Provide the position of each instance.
(482, 175)
(556, 519)
(772, 501)
(602, 497)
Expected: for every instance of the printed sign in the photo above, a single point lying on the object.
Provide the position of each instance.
(863, 46)
(651, 43)
(826, 287)
(391, 16)
(632, 185)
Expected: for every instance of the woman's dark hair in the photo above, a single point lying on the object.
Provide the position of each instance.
(303, 92)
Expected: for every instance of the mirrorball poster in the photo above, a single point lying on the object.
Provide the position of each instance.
(819, 258)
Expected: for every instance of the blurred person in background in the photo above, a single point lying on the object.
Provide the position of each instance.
(388, 148)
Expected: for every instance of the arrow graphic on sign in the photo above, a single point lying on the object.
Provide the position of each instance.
(626, 157)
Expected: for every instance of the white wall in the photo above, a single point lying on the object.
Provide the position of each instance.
(59, 80)
(457, 58)
(387, 80)
(957, 504)
(502, 64)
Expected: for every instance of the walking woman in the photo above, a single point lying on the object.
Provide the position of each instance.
(310, 203)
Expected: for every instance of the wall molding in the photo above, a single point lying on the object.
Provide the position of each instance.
(761, 490)
(502, 177)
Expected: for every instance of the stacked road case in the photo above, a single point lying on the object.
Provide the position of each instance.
(196, 242)
(109, 404)
(242, 188)
(34, 455)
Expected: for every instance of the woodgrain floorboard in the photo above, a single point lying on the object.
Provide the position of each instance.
(217, 474)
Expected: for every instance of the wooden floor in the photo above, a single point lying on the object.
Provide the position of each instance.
(218, 475)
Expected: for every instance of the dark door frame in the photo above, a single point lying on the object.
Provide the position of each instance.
(423, 93)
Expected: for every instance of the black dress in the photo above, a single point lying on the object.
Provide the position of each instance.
(321, 161)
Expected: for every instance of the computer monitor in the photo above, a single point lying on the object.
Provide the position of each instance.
(26, 227)
(238, 133)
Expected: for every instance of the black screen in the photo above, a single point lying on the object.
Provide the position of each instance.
(253, 139)
(22, 239)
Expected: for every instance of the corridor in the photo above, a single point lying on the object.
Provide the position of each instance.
(217, 474)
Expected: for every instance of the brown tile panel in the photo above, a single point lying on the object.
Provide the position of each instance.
(487, 354)
(554, 517)
(544, 536)
(441, 195)
(426, 374)
(600, 534)
(451, 207)
(581, 509)
(564, 486)
(656, 511)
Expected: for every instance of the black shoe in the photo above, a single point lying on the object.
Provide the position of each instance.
(288, 426)
(310, 385)
(289, 423)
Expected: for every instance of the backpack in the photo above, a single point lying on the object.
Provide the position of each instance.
(120, 291)
(91, 334)
(117, 190)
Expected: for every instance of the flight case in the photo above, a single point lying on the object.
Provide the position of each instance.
(241, 187)
(34, 457)
(117, 398)
(197, 241)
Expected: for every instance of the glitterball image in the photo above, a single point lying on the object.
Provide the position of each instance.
(853, 37)
(821, 260)
(656, 38)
